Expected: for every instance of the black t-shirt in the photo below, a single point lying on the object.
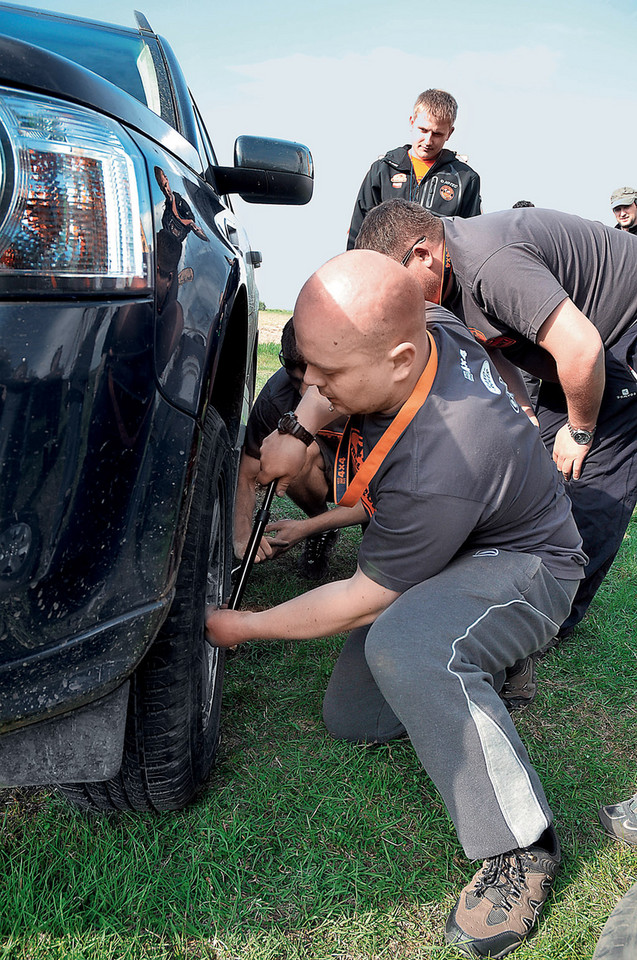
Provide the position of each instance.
(470, 472)
(515, 267)
(277, 397)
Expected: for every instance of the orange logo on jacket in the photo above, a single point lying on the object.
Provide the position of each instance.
(398, 179)
(447, 192)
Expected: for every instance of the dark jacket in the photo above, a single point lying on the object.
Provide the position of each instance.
(450, 187)
(632, 229)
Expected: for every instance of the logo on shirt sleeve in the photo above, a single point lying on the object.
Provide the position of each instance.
(464, 366)
(514, 403)
(498, 343)
(487, 378)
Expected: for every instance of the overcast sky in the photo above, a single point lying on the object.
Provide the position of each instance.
(546, 90)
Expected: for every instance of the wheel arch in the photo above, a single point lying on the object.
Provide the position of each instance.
(232, 387)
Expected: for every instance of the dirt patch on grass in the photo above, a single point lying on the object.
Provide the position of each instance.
(271, 324)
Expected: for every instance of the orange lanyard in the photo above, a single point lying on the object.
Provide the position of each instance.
(347, 493)
(446, 270)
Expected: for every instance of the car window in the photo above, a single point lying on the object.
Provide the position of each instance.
(203, 136)
(133, 63)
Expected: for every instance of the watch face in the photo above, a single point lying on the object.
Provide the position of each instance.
(289, 424)
(582, 436)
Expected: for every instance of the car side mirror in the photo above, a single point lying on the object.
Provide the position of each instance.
(266, 171)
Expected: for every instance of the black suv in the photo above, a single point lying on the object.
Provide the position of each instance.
(128, 331)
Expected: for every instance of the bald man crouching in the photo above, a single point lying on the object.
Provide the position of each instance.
(469, 562)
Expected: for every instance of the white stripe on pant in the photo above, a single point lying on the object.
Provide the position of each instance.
(432, 664)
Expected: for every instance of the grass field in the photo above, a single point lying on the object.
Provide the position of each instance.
(307, 849)
(268, 362)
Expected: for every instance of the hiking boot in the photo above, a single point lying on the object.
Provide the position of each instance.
(520, 686)
(620, 820)
(498, 909)
(314, 560)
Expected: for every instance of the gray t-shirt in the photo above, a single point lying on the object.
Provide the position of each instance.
(515, 267)
(470, 472)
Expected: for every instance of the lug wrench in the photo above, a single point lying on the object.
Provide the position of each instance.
(258, 527)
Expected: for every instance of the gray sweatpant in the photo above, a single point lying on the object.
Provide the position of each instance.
(432, 664)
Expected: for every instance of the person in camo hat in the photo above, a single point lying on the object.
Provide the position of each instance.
(624, 205)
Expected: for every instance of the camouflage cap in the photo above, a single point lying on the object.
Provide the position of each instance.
(623, 197)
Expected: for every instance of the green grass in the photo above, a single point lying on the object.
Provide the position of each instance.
(307, 849)
(268, 363)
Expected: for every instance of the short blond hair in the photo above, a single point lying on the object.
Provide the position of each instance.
(439, 104)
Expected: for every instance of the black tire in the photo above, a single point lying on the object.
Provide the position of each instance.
(172, 727)
(619, 936)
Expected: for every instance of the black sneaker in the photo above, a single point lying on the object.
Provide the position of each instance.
(620, 820)
(520, 686)
(498, 909)
(314, 560)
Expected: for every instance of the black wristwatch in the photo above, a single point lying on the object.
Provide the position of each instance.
(289, 423)
(581, 436)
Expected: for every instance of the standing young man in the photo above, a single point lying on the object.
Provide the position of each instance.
(469, 562)
(424, 171)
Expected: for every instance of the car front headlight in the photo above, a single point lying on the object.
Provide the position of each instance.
(73, 201)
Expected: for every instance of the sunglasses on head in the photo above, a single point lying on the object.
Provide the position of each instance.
(291, 365)
(405, 259)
